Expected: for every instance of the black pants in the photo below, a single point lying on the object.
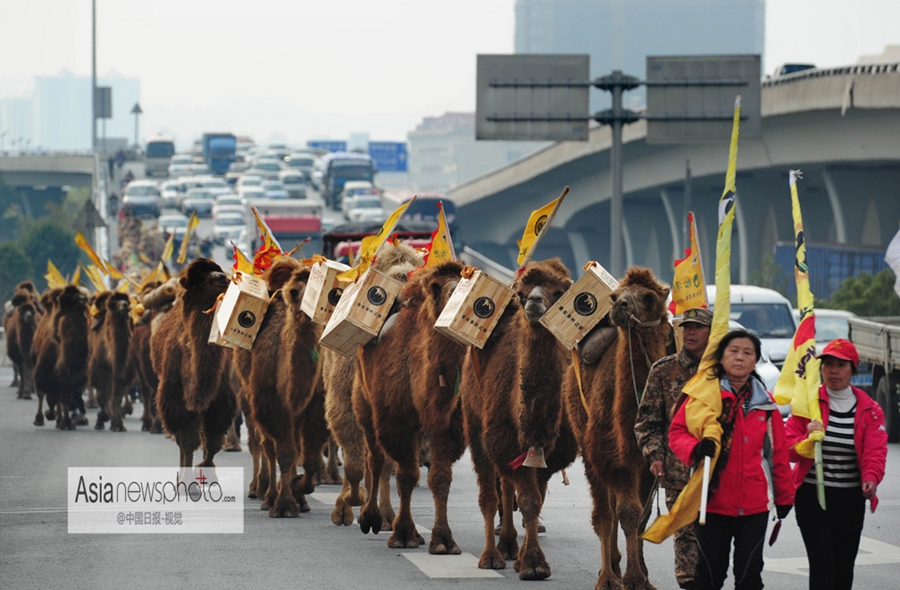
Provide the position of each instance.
(831, 536)
(715, 538)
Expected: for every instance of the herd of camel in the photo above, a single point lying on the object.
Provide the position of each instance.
(410, 393)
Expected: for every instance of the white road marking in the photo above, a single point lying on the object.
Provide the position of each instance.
(464, 565)
(328, 498)
(871, 552)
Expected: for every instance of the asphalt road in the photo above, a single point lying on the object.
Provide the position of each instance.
(36, 551)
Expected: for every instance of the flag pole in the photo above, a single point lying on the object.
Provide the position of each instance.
(820, 474)
(704, 492)
(545, 229)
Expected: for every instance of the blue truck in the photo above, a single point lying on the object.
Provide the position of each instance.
(219, 150)
(339, 167)
(829, 265)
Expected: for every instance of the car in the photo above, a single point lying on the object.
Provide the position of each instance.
(250, 194)
(182, 159)
(229, 201)
(173, 223)
(228, 226)
(355, 187)
(264, 174)
(830, 324)
(142, 197)
(302, 162)
(365, 207)
(268, 164)
(169, 191)
(294, 182)
(198, 200)
(213, 183)
(274, 189)
(248, 180)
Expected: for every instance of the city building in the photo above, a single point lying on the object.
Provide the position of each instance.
(443, 152)
(619, 34)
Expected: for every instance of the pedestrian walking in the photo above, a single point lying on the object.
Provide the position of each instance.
(854, 452)
(753, 457)
(665, 384)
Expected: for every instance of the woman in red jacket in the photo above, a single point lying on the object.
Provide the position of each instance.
(854, 452)
(753, 461)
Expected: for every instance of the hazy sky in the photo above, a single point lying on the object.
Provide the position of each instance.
(301, 69)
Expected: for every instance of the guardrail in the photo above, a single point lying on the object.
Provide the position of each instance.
(854, 70)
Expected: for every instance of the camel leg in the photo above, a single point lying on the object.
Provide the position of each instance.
(370, 515)
(384, 501)
(342, 513)
(332, 473)
(104, 403)
(603, 520)
(39, 417)
(405, 535)
(63, 421)
(147, 402)
(508, 545)
(629, 511)
(285, 505)
(117, 423)
(266, 489)
(188, 441)
(92, 398)
(440, 477)
(255, 451)
(351, 492)
(16, 381)
(312, 437)
(531, 565)
(487, 501)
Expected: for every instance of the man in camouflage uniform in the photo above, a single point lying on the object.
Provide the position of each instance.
(661, 394)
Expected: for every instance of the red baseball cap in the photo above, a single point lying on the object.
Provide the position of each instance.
(841, 349)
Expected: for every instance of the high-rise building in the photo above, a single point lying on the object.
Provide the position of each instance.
(443, 152)
(16, 124)
(620, 34)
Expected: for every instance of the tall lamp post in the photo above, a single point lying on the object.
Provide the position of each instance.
(136, 111)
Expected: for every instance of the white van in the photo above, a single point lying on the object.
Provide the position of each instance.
(765, 312)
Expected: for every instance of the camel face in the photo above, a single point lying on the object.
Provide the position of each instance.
(118, 304)
(203, 281)
(636, 302)
(293, 290)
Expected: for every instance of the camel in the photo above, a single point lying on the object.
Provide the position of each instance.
(339, 372)
(62, 356)
(157, 301)
(511, 395)
(110, 368)
(619, 476)
(20, 326)
(194, 399)
(280, 376)
(408, 381)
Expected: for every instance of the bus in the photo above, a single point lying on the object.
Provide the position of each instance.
(157, 155)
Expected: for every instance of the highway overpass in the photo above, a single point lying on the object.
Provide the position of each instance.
(840, 126)
(39, 178)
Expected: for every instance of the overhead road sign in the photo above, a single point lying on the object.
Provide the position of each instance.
(389, 156)
(331, 146)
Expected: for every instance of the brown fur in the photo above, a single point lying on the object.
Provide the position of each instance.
(338, 372)
(139, 354)
(20, 326)
(511, 395)
(193, 399)
(110, 365)
(62, 356)
(412, 377)
(615, 468)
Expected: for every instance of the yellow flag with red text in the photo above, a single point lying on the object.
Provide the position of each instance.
(533, 228)
(182, 252)
(689, 286)
(800, 379)
(704, 404)
(86, 246)
(371, 244)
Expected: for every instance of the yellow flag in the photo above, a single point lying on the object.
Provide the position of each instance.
(143, 258)
(86, 246)
(689, 287)
(241, 262)
(182, 252)
(77, 276)
(114, 272)
(123, 286)
(800, 378)
(536, 222)
(96, 277)
(153, 276)
(371, 244)
(704, 404)
(169, 248)
(441, 247)
(54, 278)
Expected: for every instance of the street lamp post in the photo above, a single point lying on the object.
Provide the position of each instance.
(136, 111)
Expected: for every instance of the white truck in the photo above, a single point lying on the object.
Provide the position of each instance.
(878, 341)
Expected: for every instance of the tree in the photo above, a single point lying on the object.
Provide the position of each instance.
(15, 267)
(868, 295)
(49, 239)
(11, 215)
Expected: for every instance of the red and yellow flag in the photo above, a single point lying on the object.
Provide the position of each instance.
(182, 252)
(536, 222)
(169, 248)
(800, 378)
(704, 404)
(269, 251)
(55, 280)
(371, 244)
(689, 286)
(241, 263)
(86, 246)
(440, 249)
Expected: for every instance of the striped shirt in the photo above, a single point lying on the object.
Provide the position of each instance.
(838, 450)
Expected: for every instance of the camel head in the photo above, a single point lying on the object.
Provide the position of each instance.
(280, 272)
(49, 299)
(118, 305)
(397, 261)
(72, 299)
(639, 299)
(540, 285)
(27, 312)
(434, 285)
(203, 281)
(98, 308)
(293, 289)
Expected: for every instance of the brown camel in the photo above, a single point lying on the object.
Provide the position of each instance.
(619, 476)
(99, 371)
(157, 299)
(195, 400)
(20, 326)
(339, 372)
(280, 375)
(62, 358)
(110, 367)
(408, 381)
(512, 401)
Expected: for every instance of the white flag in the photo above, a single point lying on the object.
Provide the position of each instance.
(892, 257)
